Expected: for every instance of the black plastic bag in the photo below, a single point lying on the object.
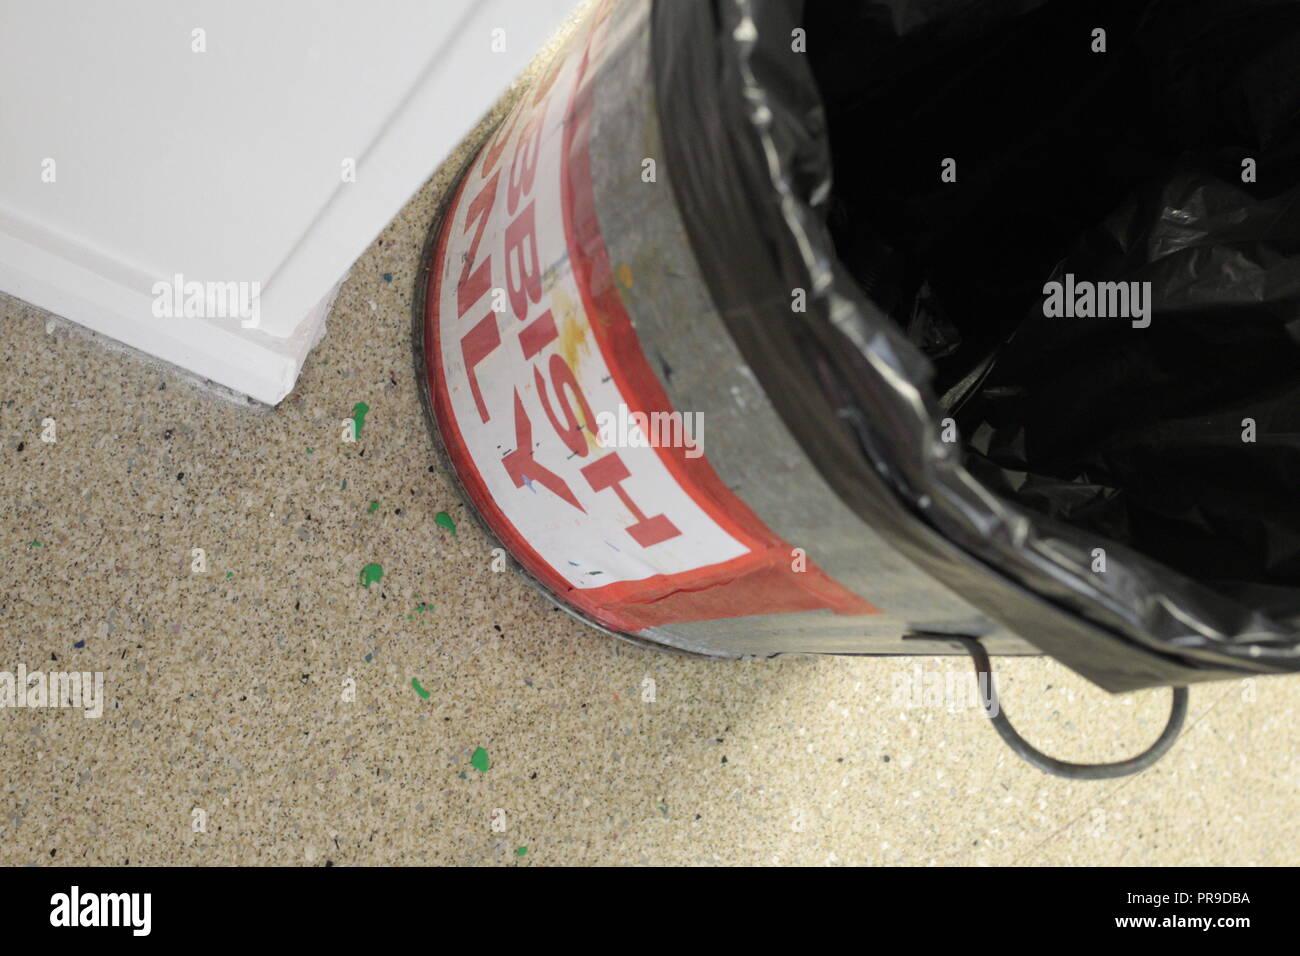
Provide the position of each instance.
(807, 143)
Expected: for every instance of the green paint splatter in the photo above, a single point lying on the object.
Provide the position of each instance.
(421, 608)
(230, 574)
(35, 544)
(344, 486)
(359, 411)
(663, 809)
(369, 658)
(520, 851)
(311, 451)
(374, 506)
(418, 689)
(480, 760)
(371, 574)
(462, 775)
(444, 519)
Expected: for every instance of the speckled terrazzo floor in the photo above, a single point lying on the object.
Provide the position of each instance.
(224, 689)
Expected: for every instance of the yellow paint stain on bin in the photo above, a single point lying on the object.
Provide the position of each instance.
(573, 337)
(625, 275)
(573, 340)
(572, 329)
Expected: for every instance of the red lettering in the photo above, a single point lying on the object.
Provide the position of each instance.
(521, 466)
(562, 377)
(523, 281)
(521, 177)
(473, 285)
(477, 343)
(538, 334)
(610, 472)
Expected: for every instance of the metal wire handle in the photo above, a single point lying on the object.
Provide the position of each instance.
(1034, 756)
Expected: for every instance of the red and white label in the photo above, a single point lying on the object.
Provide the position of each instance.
(528, 341)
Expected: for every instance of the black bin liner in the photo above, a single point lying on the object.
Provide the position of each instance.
(806, 142)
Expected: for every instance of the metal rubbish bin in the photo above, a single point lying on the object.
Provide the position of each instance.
(700, 420)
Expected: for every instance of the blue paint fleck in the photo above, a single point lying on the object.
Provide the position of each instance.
(388, 277)
(79, 644)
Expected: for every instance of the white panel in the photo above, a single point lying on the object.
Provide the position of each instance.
(226, 165)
